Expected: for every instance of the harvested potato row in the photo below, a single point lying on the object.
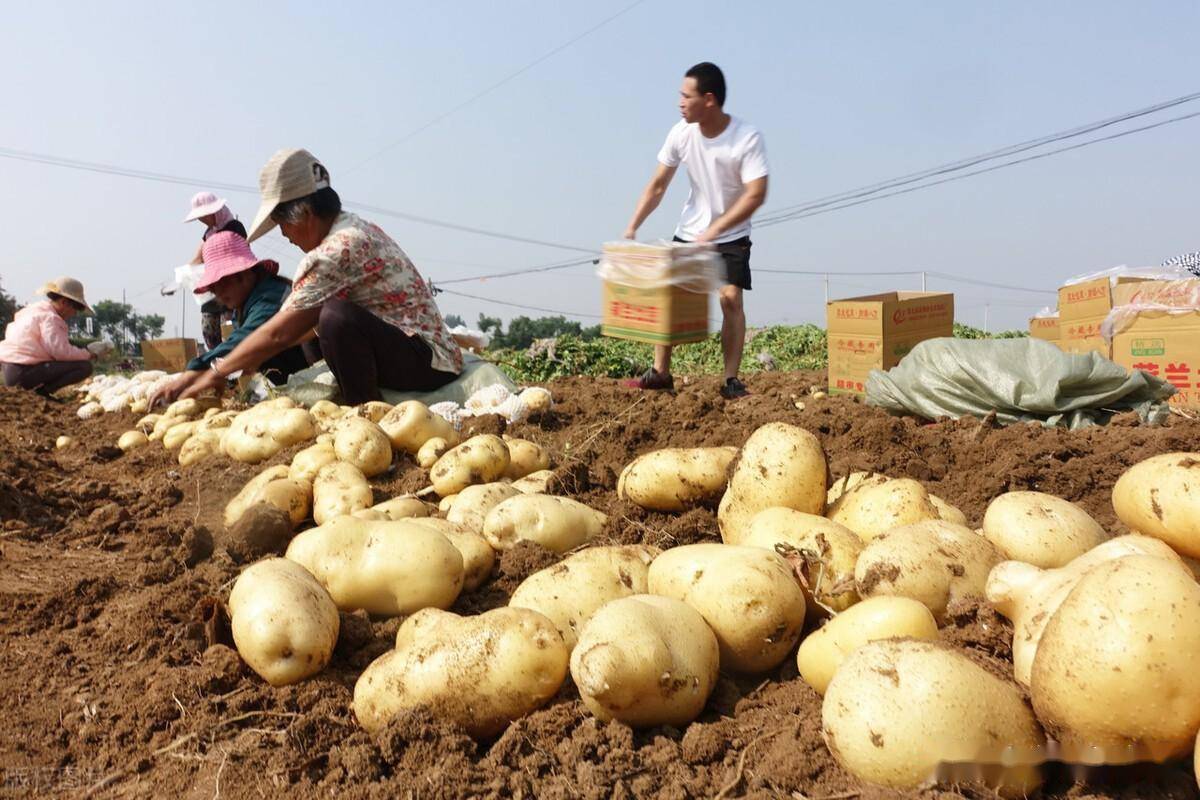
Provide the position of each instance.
(411, 424)
(557, 523)
(480, 459)
(826, 551)
(1160, 497)
(749, 596)
(780, 465)
(1040, 529)
(676, 479)
(480, 672)
(284, 623)
(569, 592)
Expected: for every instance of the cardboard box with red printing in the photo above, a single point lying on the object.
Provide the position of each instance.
(1047, 328)
(1166, 344)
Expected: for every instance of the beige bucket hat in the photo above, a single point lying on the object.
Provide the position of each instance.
(68, 288)
(290, 174)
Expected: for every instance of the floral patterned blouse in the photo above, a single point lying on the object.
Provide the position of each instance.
(360, 263)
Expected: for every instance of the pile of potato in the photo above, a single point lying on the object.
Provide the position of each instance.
(851, 578)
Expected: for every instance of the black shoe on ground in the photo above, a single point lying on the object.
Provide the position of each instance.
(653, 380)
(733, 389)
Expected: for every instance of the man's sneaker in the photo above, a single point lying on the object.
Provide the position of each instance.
(733, 389)
(652, 379)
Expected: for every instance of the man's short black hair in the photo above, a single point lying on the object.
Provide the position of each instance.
(709, 80)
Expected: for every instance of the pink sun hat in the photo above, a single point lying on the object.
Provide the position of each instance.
(227, 254)
(203, 204)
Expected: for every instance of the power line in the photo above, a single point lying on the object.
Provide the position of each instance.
(494, 86)
(769, 221)
(520, 305)
(526, 271)
(970, 161)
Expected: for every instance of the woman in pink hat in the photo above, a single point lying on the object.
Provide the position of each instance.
(250, 286)
(217, 218)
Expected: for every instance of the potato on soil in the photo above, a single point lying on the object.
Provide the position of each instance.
(875, 509)
(525, 457)
(569, 592)
(403, 507)
(934, 562)
(431, 451)
(325, 414)
(897, 709)
(825, 551)
(749, 596)
(780, 465)
(200, 446)
(411, 424)
(284, 624)
(385, 567)
(373, 410)
(308, 462)
(1160, 497)
(480, 459)
(645, 660)
(478, 556)
(340, 488)
(1040, 529)
(261, 432)
(360, 442)
(676, 479)
(557, 523)
(535, 482)
(63, 442)
(479, 672)
(131, 440)
(261, 530)
(472, 504)
(246, 497)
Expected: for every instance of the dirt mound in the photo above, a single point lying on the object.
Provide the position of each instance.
(119, 679)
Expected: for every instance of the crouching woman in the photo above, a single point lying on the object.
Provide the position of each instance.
(36, 351)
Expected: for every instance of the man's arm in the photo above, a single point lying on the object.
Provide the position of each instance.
(752, 196)
(652, 195)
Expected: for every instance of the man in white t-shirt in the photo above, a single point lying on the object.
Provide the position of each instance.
(726, 163)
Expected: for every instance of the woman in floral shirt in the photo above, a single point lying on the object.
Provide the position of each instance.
(376, 321)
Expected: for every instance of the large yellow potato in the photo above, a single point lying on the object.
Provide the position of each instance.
(360, 442)
(262, 431)
(308, 462)
(384, 567)
(174, 437)
(645, 660)
(525, 457)
(410, 424)
(431, 451)
(1115, 671)
(164, 424)
(479, 672)
(676, 478)
(284, 623)
(934, 562)
(201, 445)
(325, 414)
(480, 459)
(373, 410)
(558, 523)
(131, 440)
(846, 484)
(828, 550)
(147, 423)
(948, 512)
(749, 596)
(780, 465)
(403, 507)
(535, 482)
(875, 509)
(216, 420)
(1160, 497)
(472, 504)
(340, 488)
(478, 556)
(896, 709)
(247, 496)
(823, 651)
(569, 592)
(1029, 596)
(1040, 529)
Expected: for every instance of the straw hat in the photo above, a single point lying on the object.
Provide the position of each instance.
(203, 204)
(227, 254)
(289, 175)
(68, 288)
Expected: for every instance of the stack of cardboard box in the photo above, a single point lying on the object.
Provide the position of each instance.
(1162, 341)
(1082, 307)
(658, 309)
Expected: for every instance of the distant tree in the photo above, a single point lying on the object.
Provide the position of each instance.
(523, 331)
(487, 323)
(120, 324)
(454, 320)
(8, 308)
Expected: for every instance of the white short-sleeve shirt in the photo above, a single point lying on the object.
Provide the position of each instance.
(718, 168)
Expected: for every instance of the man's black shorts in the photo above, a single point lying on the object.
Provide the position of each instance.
(736, 255)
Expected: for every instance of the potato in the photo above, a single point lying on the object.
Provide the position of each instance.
(525, 457)
(1029, 596)
(186, 409)
(411, 424)
(822, 652)
(846, 484)
(373, 410)
(829, 552)
(1160, 497)
(948, 512)
(897, 709)
(934, 562)
(480, 459)
(645, 660)
(290, 496)
(557, 523)
(212, 412)
(537, 399)
(246, 497)
(308, 462)
(478, 556)
(479, 673)
(403, 507)
(780, 465)
(140, 406)
(431, 451)
(284, 623)
(472, 504)
(339, 488)
(387, 568)
(872, 510)
(747, 595)
(264, 430)
(569, 592)
(199, 446)
(176, 435)
(215, 419)
(535, 482)
(1040, 529)
(447, 503)
(362, 443)
(147, 423)
(164, 424)
(63, 442)
(1115, 670)
(325, 414)
(676, 479)
(131, 440)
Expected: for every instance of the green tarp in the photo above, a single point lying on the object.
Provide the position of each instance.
(1022, 380)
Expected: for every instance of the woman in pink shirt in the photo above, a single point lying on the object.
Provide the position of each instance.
(36, 352)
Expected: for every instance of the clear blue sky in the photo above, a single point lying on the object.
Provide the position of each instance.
(845, 94)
